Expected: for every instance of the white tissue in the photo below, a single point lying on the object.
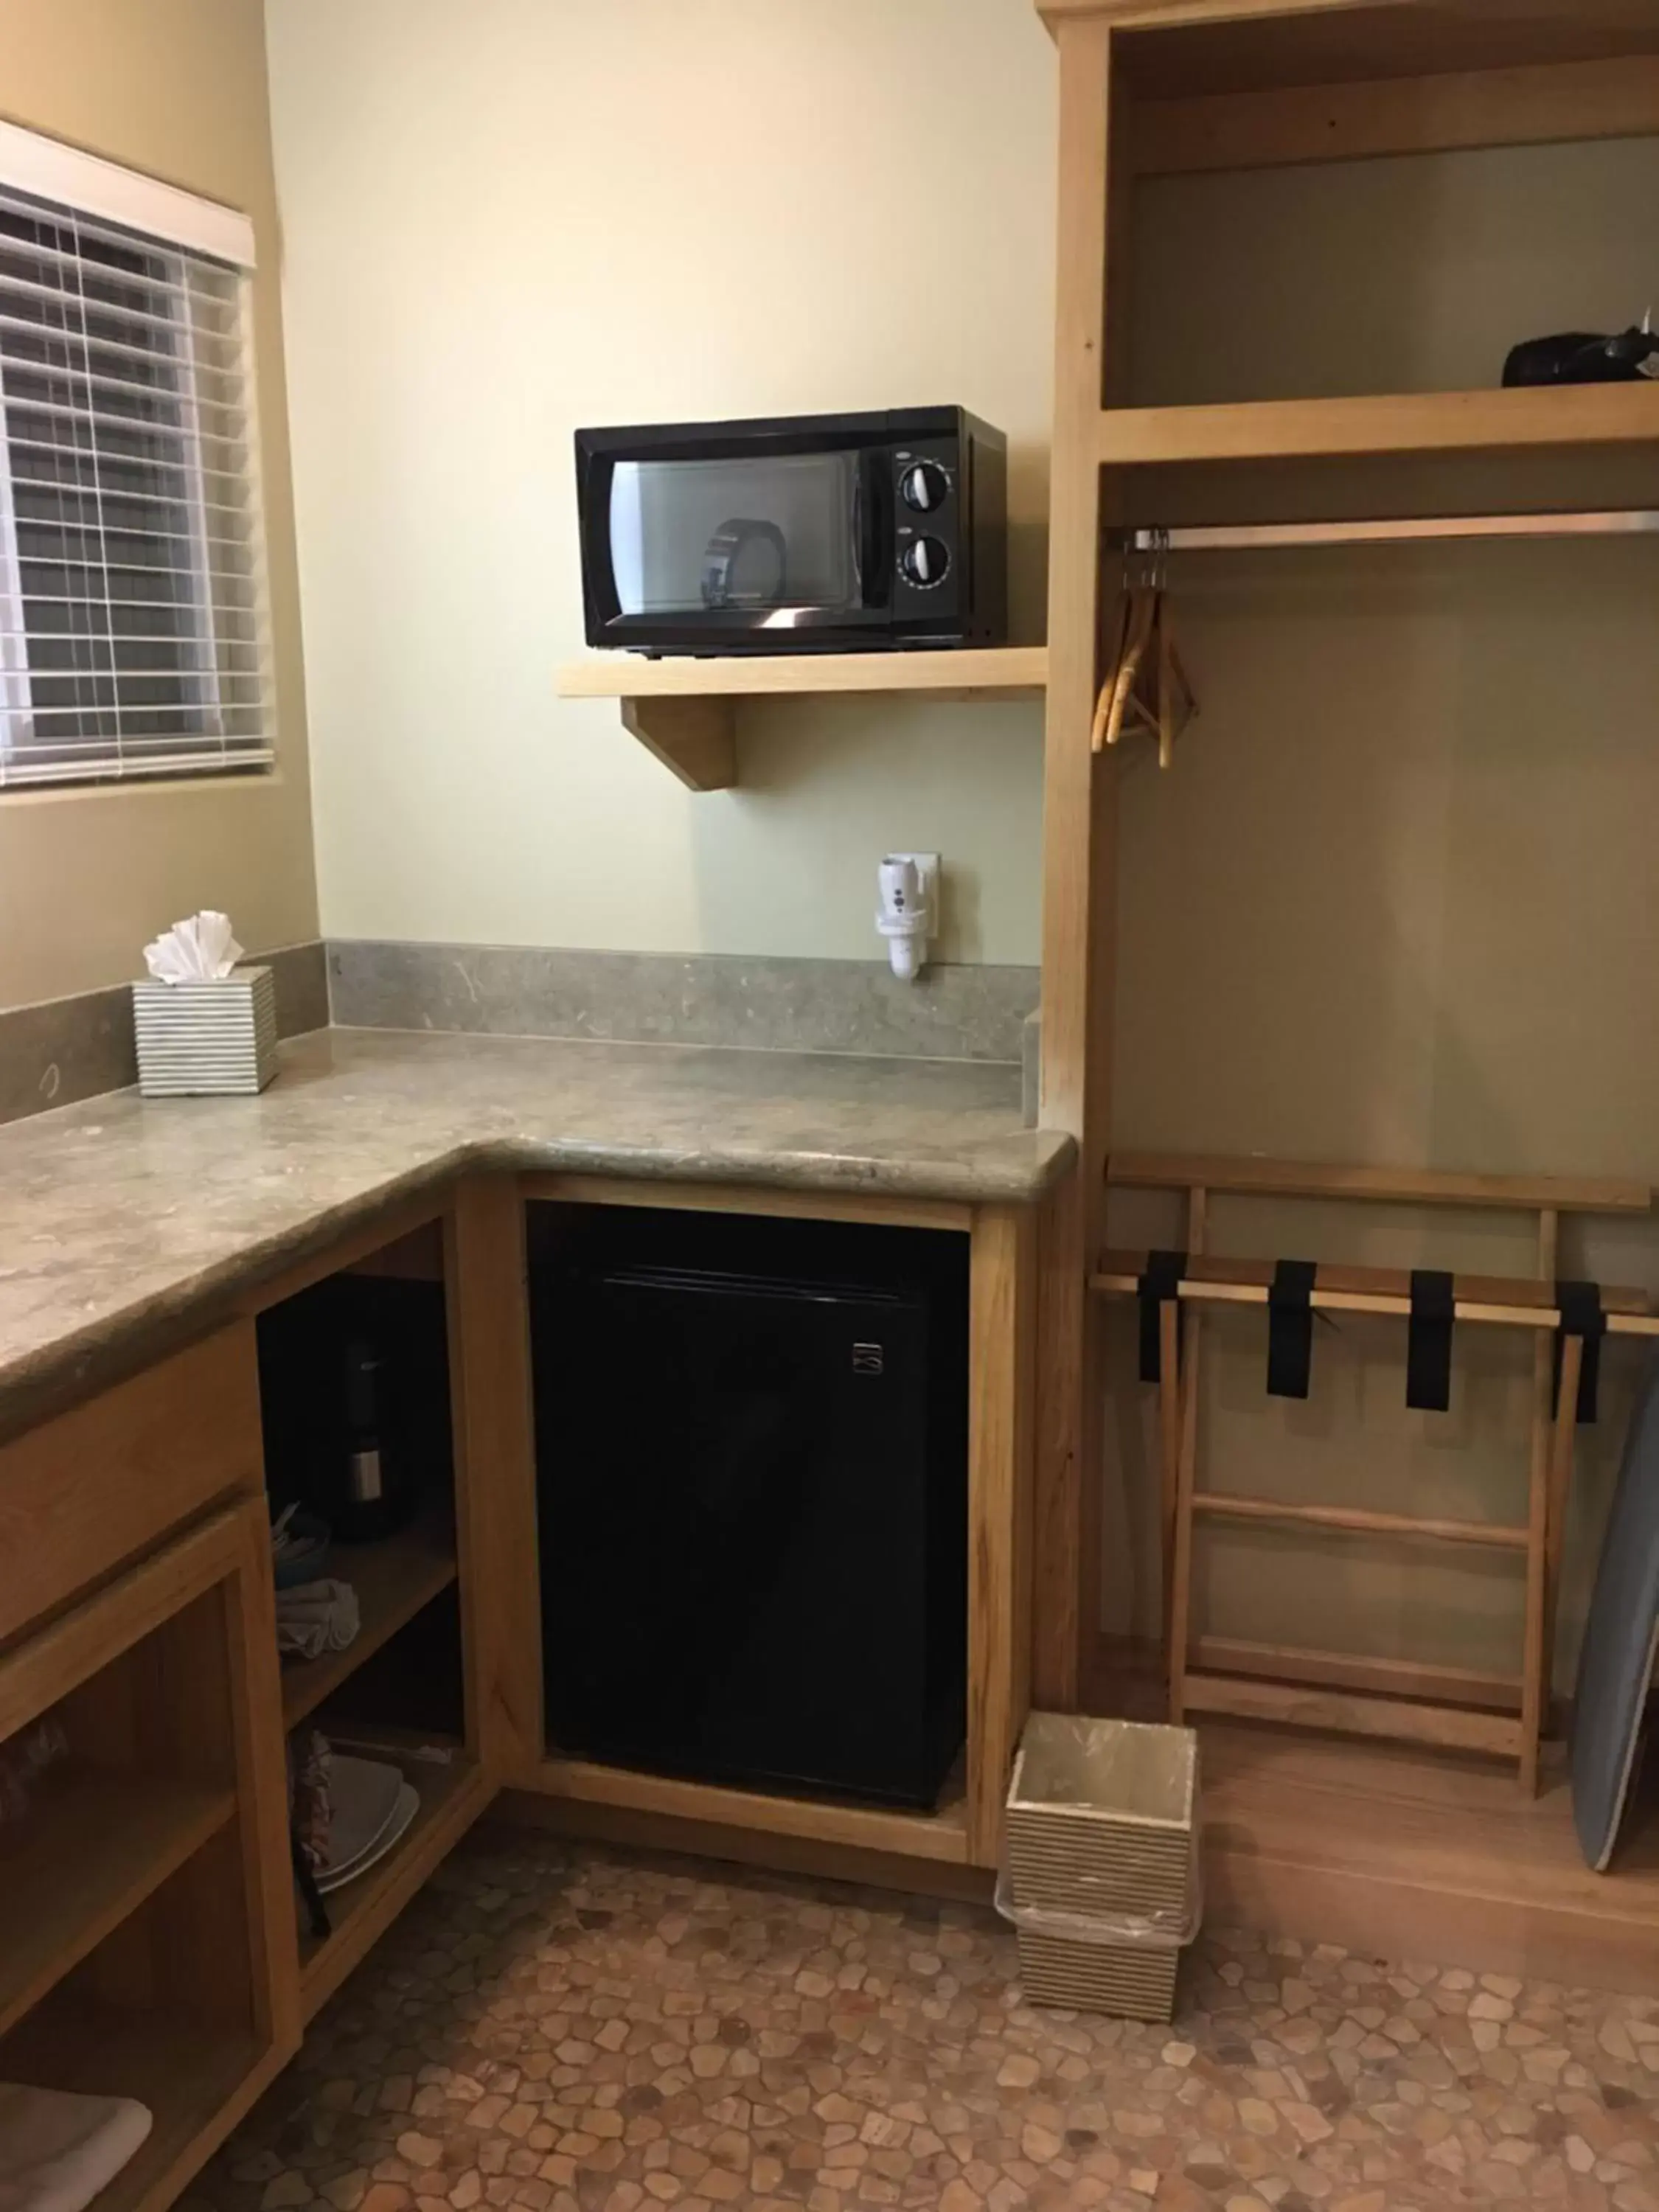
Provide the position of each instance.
(194, 951)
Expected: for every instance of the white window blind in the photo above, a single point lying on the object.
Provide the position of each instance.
(133, 632)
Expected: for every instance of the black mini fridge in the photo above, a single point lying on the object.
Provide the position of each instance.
(751, 1454)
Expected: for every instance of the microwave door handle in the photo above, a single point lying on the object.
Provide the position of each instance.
(872, 528)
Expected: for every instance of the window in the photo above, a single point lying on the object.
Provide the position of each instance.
(133, 638)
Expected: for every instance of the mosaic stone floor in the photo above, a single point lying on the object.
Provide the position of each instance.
(574, 2031)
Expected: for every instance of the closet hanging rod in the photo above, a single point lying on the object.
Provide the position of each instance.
(1240, 537)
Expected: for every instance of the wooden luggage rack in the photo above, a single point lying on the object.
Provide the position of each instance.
(1372, 1697)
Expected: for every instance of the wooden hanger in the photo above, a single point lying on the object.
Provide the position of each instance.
(1147, 687)
(1123, 695)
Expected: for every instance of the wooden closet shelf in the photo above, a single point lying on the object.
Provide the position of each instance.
(96, 1846)
(683, 709)
(393, 1579)
(1500, 1301)
(1407, 422)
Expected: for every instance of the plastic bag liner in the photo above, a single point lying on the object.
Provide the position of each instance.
(1165, 1930)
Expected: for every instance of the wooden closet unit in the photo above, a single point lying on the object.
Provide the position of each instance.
(1162, 87)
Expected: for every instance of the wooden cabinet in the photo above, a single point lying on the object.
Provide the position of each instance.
(81, 1494)
(413, 1689)
(150, 1944)
(146, 1922)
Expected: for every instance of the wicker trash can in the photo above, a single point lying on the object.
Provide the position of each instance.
(1101, 1881)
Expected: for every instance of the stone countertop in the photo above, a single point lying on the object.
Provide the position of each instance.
(123, 1221)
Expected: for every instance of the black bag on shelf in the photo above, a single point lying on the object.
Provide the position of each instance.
(1585, 357)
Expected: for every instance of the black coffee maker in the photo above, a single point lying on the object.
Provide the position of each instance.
(354, 1384)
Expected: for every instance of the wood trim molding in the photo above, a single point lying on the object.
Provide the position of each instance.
(1002, 1319)
(1155, 15)
(874, 1207)
(861, 1827)
(1078, 833)
(486, 1301)
(821, 1860)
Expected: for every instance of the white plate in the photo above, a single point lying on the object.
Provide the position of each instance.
(364, 1796)
(408, 1805)
(341, 1869)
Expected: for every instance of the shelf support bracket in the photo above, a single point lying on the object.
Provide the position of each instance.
(696, 737)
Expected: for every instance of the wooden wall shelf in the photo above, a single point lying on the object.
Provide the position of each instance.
(684, 710)
(1404, 423)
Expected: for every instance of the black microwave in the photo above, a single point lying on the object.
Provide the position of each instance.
(797, 534)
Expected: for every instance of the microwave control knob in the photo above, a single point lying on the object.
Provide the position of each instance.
(924, 562)
(924, 486)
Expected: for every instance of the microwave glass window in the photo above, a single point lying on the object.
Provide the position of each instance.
(743, 535)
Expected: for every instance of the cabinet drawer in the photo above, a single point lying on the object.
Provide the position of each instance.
(80, 1494)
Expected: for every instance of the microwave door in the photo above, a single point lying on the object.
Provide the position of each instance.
(716, 546)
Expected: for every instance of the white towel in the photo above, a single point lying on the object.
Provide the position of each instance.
(313, 1617)
(58, 2151)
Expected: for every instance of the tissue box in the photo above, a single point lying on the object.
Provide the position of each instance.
(207, 1039)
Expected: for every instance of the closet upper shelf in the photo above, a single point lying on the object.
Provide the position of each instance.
(1410, 422)
(684, 710)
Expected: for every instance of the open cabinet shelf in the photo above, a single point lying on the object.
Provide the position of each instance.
(684, 710)
(197, 2076)
(452, 1795)
(139, 1914)
(393, 1579)
(93, 1852)
(403, 1691)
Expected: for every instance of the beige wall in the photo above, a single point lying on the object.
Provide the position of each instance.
(506, 219)
(176, 88)
(1399, 899)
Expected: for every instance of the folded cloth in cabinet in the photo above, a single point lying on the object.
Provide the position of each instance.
(312, 1617)
(58, 2151)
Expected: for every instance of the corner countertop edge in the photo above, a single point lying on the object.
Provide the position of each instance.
(129, 1227)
